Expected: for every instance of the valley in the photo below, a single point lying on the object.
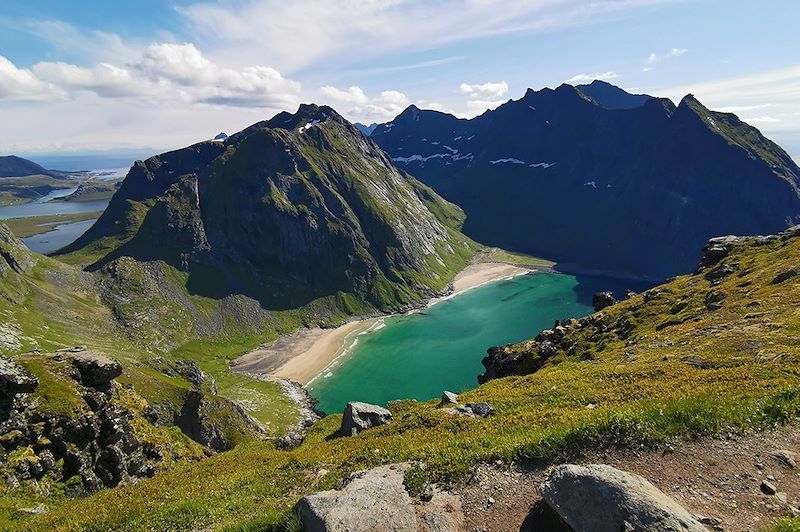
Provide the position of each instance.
(158, 351)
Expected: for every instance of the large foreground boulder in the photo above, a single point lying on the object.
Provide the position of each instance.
(601, 498)
(362, 416)
(373, 500)
(15, 379)
(377, 500)
(601, 300)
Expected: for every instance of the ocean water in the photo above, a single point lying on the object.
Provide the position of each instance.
(416, 356)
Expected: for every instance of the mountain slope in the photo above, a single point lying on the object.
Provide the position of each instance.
(612, 97)
(13, 166)
(290, 210)
(714, 352)
(633, 192)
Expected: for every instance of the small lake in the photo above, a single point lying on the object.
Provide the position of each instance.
(416, 356)
(37, 208)
(60, 236)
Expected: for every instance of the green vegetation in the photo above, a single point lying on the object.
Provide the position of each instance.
(489, 254)
(667, 366)
(786, 524)
(35, 225)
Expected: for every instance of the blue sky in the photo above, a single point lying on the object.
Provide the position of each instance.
(90, 75)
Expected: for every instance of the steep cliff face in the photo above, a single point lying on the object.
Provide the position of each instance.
(295, 208)
(595, 177)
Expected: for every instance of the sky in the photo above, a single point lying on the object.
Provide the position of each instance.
(98, 76)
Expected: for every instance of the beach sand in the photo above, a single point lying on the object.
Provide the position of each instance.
(303, 354)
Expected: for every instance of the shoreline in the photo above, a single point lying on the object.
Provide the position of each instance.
(305, 354)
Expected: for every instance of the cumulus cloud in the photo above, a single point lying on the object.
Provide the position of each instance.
(357, 106)
(587, 78)
(351, 95)
(174, 72)
(485, 90)
(20, 84)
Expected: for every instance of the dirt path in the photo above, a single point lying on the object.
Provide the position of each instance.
(719, 479)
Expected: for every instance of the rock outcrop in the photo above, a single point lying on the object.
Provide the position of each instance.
(600, 498)
(601, 300)
(89, 446)
(377, 500)
(362, 416)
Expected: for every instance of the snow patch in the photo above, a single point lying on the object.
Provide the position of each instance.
(308, 125)
(532, 108)
(590, 184)
(507, 160)
(541, 165)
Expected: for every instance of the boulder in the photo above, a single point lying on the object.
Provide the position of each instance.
(601, 300)
(362, 416)
(371, 500)
(448, 399)
(601, 498)
(96, 370)
(481, 409)
(15, 379)
(787, 458)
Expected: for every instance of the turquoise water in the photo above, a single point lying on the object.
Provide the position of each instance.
(416, 356)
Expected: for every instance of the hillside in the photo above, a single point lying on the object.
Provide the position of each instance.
(596, 178)
(13, 166)
(708, 353)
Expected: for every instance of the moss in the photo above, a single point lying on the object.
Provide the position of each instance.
(56, 391)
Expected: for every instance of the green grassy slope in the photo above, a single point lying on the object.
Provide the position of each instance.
(665, 364)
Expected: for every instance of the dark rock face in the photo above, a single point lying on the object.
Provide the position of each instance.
(522, 359)
(601, 300)
(649, 182)
(303, 204)
(362, 416)
(601, 498)
(97, 370)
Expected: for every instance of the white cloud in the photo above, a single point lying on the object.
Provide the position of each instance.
(351, 95)
(476, 107)
(338, 30)
(761, 120)
(776, 90)
(485, 90)
(587, 78)
(20, 84)
(654, 58)
(358, 107)
(175, 72)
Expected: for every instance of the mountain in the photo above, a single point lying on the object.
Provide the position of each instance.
(13, 166)
(367, 130)
(612, 97)
(292, 210)
(632, 192)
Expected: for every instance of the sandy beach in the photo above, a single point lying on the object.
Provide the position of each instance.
(303, 354)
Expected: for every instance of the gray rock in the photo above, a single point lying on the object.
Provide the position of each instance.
(362, 416)
(15, 379)
(787, 458)
(97, 370)
(448, 399)
(785, 275)
(372, 500)
(481, 409)
(601, 300)
(600, 498)
(768, 487)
